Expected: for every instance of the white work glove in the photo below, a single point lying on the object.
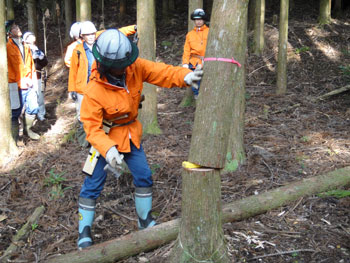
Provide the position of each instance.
(26, 83)
(192, 78)
(185, 66)
(113, 157)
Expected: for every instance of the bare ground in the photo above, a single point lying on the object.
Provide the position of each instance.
(287, 138)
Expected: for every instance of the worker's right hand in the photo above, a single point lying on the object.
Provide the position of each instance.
(113, 157)
(185, 66)
(192, 78)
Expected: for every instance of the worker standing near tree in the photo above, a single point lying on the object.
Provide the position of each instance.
(109, 113)
(40, 61)
(196, 43)
(22, 82)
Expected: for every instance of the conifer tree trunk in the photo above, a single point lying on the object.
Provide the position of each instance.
(8, 145)
(324, 17)
(85, 10)
(251, 14)
(146, 26)
(235, 155)
(188, 99)
(282, 48)
(77, 10)
(67, 18)
(32, 19)
(122, 9)
(201, 235)
(10, 13)
(259, 22)
(172, 7)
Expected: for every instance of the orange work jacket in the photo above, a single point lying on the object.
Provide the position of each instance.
(195, 45)
(19, 67)
(106, 101)
(69, 52)
(78, 72)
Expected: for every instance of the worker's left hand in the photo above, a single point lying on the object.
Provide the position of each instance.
(192, 78)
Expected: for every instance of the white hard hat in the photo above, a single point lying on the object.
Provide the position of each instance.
(87, 27)
(114, 50)
(75, 30)
(26, 35)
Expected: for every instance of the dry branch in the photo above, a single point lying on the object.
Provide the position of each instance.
(333, 92)
(148, 239)
(22, 233)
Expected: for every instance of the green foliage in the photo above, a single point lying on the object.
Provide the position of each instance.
(335, 193)
(34, 226)
(302, 49)
(345, 70)
(54, 179)
(247, 96)
(70, 136)
(305, 138)
(166, 44)
(154, 167)
(346, 52)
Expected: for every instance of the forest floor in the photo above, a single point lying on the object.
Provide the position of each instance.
(287, 138)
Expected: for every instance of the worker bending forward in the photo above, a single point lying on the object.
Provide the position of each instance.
(113, 94)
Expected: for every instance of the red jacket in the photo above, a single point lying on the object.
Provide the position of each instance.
(106, 101)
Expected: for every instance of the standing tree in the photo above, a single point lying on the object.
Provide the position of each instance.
(282, 48)
(324, 17)
(188, 99)
(259, 23)
(8, 145)
(146, 26)
(200, 236)
(77, 10)
(85, 10)
(32, 19)
(67, 18)
(10, 13)
(122, 9)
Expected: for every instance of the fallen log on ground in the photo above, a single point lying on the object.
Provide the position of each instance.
(333, 92)
(22, 234)
(151, 238)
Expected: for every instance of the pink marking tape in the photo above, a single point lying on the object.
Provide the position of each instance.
(229, 60)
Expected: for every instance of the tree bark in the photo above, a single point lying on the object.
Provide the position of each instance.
(213, 116)
(8, 145)
(23, 232)
(67, 18)
(154, 237)
(324, 17)
(10, 12)
(146, 23)
(235, 155)
(85, 10)
(32, 18)
(77, 10)
(201, 237)
(188, 99)
(259, 23)
(282, 48)
(122, 9)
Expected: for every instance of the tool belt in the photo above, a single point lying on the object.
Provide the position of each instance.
(94, 155)
(197, 56)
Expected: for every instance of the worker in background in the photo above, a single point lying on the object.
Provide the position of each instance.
(80, 68)
(112, 96)
(75, 35)
(22, 80)
(40, 61)
(196, 43)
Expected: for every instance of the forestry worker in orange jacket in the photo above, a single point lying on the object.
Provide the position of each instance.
(22, 81)
(80, 68)
(196, 43)
(113, 94)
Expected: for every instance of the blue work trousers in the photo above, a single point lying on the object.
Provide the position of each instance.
(195, 91)
(138, 166)
(29, 99)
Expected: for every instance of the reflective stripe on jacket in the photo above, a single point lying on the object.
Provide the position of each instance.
(19, 67)
(105, 101)
(195, 45)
